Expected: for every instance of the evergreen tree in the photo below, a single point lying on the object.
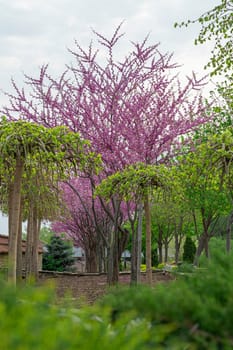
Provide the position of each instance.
(189, 250)
(59, 255)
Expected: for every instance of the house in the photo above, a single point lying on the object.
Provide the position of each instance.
(4, 252)
(79, 259)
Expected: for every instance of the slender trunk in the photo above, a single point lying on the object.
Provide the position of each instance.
(148, 240)
(160, 249)
(177, 248)
(114, 247)
(91, 260)
(200, 247)
(31, 255)
(110, 253)
(100, 255)
(14, 214)
(28, 253)
(178, 239)
(19, 266)
(228, 234)
(166, 245)
(206, 246)
(133, 279)
(139, 242)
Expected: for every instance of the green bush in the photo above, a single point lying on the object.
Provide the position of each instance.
(193, 312)
(161, 266)
(189, 250)
(185, 267)
(59, 255)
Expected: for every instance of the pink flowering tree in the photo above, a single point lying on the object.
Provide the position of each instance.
(89, 223)
(133, 109)
(85, 222)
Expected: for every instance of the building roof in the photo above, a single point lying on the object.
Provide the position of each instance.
(4, 245)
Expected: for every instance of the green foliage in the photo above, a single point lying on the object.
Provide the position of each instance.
(185, 268)
(205, 174)
(217, 25)
(59, 255)
(47, 156)
(193, 312)
(29, 319)
(133, 182)
(161, 266)
(189, 250)
(45, 234)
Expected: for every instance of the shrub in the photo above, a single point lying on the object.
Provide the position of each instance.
(194, 312)
(185, 267)
(189, 313)
(59, 255)
(189, 250)
(161, 266)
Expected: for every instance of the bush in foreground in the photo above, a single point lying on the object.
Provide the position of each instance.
(195, 312)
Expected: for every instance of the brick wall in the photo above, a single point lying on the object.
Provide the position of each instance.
(89, 287)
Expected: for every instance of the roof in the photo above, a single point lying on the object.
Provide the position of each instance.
(4, 245)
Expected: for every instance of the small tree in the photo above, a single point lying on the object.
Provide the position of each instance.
(189, 250)
(136, 183)
(59, 256)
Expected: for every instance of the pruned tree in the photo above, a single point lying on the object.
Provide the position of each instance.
(135, 183)
(28, 148)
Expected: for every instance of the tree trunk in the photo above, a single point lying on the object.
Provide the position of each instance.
(14, 218)
(148, 240)
(101, 255)
(19, 266)
(201, 246)
(178, 240)
(31, 255)
(139, 242)
(113, 266)
(228, 234)
(136, 245)
(166, 245)
(116, 246)
(91, 260)
(160, 249)
(133, 279)
(177, 248)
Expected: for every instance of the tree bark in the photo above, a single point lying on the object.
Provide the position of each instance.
(31, 256)
(166, 246)
(139, 243)
(113, 267)
(91, 260)
(19, 265)
(160, 249)
(14, 218)
(228, 233)
(178, 240)
(200, 247)
(148, 240)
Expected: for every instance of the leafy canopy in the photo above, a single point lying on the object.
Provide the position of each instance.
(217, 25)
(133, 182)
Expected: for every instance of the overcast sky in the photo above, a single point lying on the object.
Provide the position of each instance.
(35, 32)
